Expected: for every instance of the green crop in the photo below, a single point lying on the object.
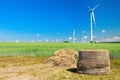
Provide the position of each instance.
(48, 48)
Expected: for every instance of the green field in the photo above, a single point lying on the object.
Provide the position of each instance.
(37, 53)
(48, 49)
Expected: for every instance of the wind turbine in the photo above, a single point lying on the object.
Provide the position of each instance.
(92, 19)
(74, 33)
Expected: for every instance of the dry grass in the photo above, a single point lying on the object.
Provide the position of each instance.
(66, 75)
(31, 68)
(20, 61)
(63, 57)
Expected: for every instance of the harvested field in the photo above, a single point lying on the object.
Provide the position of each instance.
(39, 71)
(35, 69)
(27, 62)
(20, 61)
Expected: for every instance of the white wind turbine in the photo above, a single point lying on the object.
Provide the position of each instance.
(92, 19)
(74, 34)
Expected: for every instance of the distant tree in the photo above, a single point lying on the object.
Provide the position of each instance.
(66, 41)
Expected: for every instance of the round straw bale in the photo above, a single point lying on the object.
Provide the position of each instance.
(93, 62)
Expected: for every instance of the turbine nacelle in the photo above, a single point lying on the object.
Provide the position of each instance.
(91, 10)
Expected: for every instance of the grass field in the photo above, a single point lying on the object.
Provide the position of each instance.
(48, 49)
(19, 58)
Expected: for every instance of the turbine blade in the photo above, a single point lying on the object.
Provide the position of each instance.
(87, 5)
(96, 6)
(93, 16)
(74, 32)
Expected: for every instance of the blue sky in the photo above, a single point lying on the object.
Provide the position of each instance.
(54, 20)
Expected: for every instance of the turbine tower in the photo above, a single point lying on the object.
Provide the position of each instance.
(92, 19)
(74, 33)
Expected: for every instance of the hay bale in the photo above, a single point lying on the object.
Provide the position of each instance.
(63, 57)
(93, 62)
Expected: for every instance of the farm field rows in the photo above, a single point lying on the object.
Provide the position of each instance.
(23, 61)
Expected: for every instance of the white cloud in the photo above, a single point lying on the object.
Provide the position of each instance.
(46, 40)
(84, 37)
(17, 41)
(103, 31)
(74, 38)
(40, 40)
(112, 39)
(38, 34)
(70, 38)
(32, 40)
(57, 40)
